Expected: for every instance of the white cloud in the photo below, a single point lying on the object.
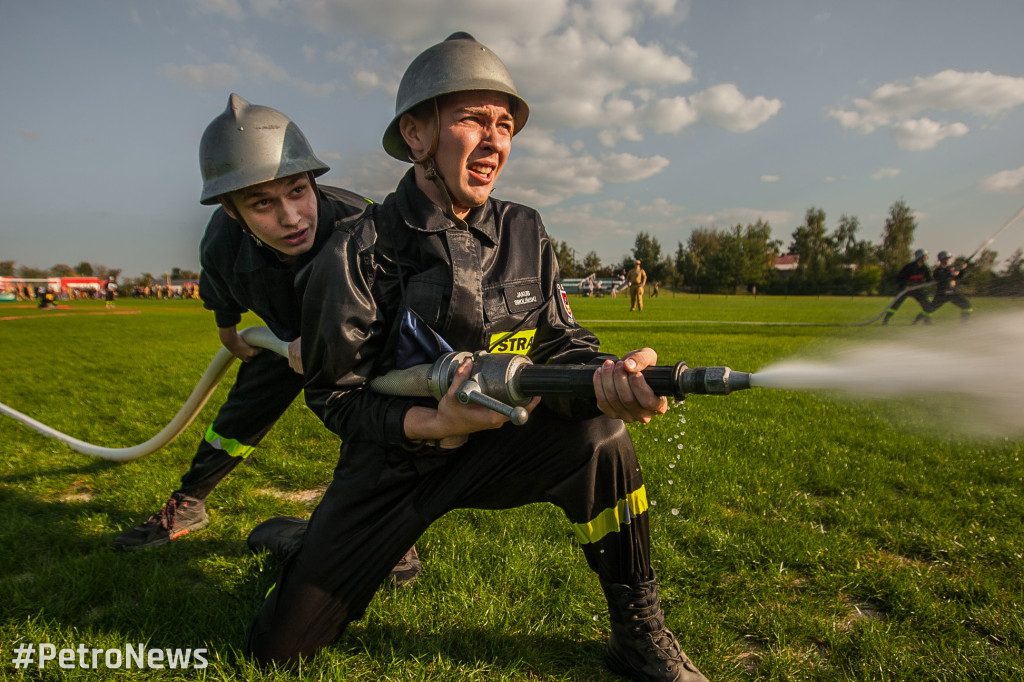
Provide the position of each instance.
(883, 173)
(924, 133)
(770, 178)
(660, 208)
(419, 25)
(729, 217)
(259, 67)
(721, 106)
(218, 75)
(546, 172)
(1009, 181)
(630, 168)
(724, 105)
(229, 8)
(578, 64)
(899, 105)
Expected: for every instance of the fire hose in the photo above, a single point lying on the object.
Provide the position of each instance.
(503, 382)
(260, 337)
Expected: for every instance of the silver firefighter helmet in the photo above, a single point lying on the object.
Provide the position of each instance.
(459, 64)
(248, 144)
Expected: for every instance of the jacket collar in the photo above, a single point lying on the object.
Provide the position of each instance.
(422, 215)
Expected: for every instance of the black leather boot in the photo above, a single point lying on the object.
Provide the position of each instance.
(641, 647)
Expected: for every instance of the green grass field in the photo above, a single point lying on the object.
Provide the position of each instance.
(797, 536)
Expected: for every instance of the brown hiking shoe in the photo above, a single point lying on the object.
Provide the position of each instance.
(179, 516)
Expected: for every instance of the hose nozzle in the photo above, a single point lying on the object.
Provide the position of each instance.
(713, 380)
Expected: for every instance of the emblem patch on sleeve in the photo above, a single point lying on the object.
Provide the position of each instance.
(565, 303)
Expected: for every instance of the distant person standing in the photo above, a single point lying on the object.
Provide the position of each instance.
(946, 276)
(109, 292)
(637, 278)
(913, 274)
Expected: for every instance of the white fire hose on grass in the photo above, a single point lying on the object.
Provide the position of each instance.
(260, 337)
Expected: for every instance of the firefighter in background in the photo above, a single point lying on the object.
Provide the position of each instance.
(946, 276)
(913, 274)
(110, 290)
(637, 278)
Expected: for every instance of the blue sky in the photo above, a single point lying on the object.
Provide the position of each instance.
(653, 115)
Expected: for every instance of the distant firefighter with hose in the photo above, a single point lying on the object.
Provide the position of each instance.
(910, 279)
(259, 167)
(946, 277)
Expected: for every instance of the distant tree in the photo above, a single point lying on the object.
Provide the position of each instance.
(146, 279)
(759, 252)
(647, 250)
(179, 274)
(113, 272)
(591, 263)
(7, 268)
(897, 237)
(32, 273)
(84, 269)
(566, 259)
(727, 259)
(980, 279)
(695, 264)
(1011, 277)
(817, 252)
(62, 270)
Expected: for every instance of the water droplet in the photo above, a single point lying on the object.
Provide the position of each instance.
(654, 503)
(675, 512)
(679, 447)
(671, 466)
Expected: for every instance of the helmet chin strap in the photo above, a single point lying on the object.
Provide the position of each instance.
(433, 175)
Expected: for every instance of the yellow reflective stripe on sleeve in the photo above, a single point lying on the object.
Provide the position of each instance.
(228, 445)
(505, 342)
(613, 518)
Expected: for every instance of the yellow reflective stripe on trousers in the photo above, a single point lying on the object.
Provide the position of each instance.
(228, 445)
(613, 518)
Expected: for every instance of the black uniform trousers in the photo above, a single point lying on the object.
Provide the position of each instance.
(951, 296)
(263, 390)
(382, 499)
(916, 294)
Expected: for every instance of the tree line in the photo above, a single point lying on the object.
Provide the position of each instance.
(10, 268)
(830, 262)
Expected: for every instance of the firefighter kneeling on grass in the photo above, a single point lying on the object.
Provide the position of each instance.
(442, 256)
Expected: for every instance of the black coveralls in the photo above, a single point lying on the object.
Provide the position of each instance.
(238, 276)
(493, 285)
(912, 274)
(946, 292)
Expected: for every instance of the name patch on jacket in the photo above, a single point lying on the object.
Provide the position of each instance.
(520, 342)
(522, 297)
